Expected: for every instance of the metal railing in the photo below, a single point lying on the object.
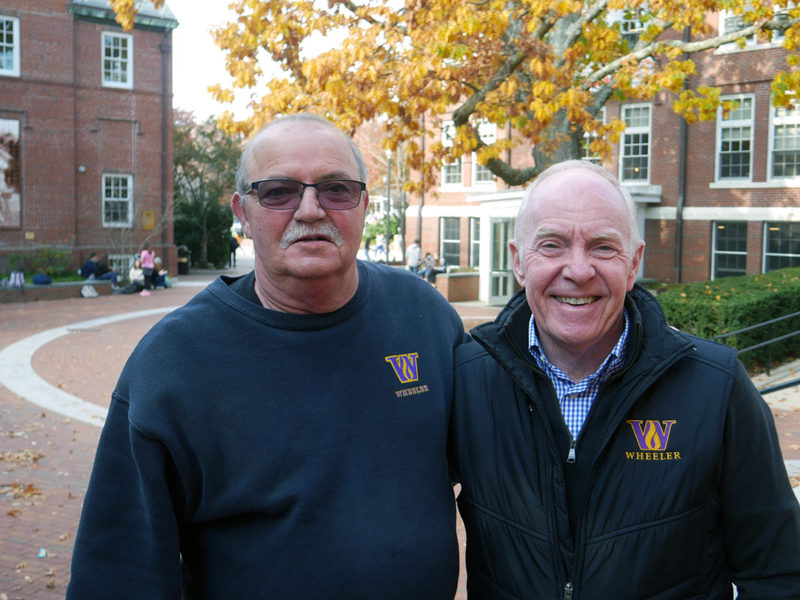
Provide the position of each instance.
(769, 324)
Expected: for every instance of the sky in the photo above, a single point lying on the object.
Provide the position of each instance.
(197, 61)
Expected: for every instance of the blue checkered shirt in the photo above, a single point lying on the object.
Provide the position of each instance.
(576, 399)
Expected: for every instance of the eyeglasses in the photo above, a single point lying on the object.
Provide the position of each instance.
(287, 194)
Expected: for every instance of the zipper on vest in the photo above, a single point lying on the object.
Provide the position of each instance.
(568, 591)
(571, 455)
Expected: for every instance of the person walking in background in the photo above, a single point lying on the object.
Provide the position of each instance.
(233, 246)
(601, 453)
(148, 265)
(281, 470)
(413, 256)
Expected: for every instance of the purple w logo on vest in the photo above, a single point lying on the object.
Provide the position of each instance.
(654, 436)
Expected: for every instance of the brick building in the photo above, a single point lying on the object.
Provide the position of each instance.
(85, 130)
(715, 198)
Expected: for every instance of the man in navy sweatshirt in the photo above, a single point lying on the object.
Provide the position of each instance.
(295, 444)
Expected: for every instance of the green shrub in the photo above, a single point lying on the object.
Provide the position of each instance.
(50, 261)
(717, 307)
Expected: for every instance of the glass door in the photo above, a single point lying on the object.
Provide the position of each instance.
(501, 278)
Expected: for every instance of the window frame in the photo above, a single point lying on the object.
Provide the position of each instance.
(715, 252)
(452, 174)
(487, 131)
(128, 178)
(128, 61)
(588, 138)
(14, 70)
(727, 123)
(474, 242)
(751, 42)
(776, 120)
(794, 257)
(443, 221)
(636, 130)
(11, 172)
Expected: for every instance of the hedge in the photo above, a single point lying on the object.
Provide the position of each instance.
(716, 307)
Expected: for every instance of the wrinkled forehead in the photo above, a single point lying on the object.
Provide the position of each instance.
(309, 144)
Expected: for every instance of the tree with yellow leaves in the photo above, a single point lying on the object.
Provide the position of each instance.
(544, 68)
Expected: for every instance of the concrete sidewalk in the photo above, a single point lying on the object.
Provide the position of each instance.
(59, 355)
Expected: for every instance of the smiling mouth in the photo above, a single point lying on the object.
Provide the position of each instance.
(576, 301)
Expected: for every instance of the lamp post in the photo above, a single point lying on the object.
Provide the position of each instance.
(388, 201)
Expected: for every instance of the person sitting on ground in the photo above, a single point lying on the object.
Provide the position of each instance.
(160, 277)
(135, 278)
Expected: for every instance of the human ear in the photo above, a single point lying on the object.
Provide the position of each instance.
(516, 263)
(238, 208)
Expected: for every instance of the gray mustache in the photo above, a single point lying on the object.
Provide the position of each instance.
(299, 231)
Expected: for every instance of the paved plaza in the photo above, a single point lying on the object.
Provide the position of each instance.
(59, 361)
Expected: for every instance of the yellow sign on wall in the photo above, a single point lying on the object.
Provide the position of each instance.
(148, 219)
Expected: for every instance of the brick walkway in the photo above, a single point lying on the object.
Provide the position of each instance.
(45, 458)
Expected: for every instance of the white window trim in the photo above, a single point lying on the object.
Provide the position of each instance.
(649, 130)
(718, 143)
(129, 200)
(773, 121)
(126, 85)
(14, 71)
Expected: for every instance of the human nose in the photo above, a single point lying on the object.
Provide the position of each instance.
(310, 209)
(579, 266)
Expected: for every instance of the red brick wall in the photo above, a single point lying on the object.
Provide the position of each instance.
(69, 120)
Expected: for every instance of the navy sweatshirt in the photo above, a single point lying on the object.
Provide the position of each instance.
(277, 455)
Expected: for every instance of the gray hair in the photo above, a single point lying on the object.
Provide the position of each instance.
(242, 182)
(630, 205)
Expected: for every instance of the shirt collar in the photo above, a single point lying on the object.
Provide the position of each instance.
(611, 363)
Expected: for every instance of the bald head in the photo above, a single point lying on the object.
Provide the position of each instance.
(562, 169)
(242, 177)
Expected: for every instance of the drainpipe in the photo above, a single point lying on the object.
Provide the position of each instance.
(682, 150)
(165, 47)
(422, 191)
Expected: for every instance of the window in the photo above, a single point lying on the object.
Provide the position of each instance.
(450, 240)
(474, 242)
(730, 23)
(117, 200)
(631, 27)
(117, 60)
(121, 263)
(10, 174)
(636, 143)
(735, 139)
(481, 174)
(785, 144)
(781, 246)
(730, 249)
(9, 46)
(452, 173)
(588, 138)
